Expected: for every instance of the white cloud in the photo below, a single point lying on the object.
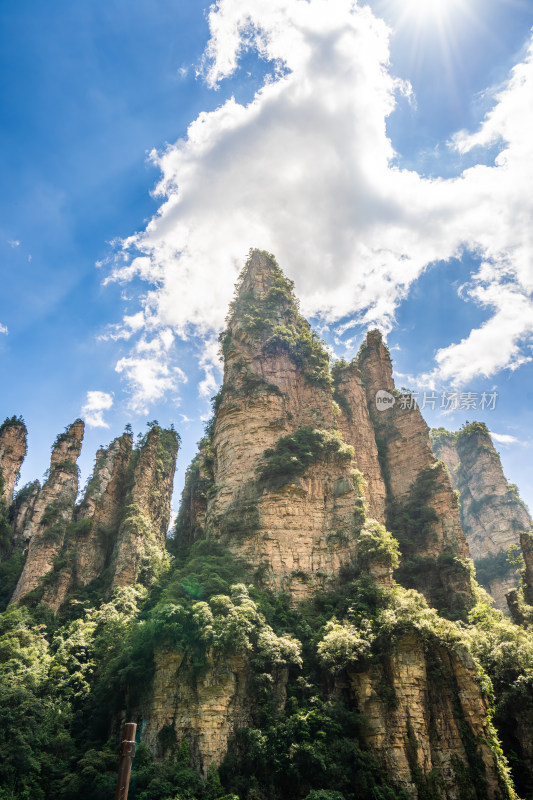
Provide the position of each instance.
(306, 171)
(149, 379)
(211, 364)
(129, 326)
(13, 243)
(496, 344)
(93, 410)
(149, 372)
(504, 438)
(3, 329)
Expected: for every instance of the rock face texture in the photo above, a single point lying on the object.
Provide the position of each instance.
(115, 536)
(492, 514)
(526, 543)
(45, 528)
(286, 476)
(435, 708)
(140, 542)
(355, 424)
(297, 459)
(23, 509)
(94, 524)
(204, 709)
(102, 508)
(422, 509)
(12, 452)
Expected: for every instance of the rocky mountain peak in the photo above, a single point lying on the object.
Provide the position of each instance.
(263, 300)
(67, 446)
(13, 435)
(492, 514)
(259, 274)
(375, 363)
(299, 458)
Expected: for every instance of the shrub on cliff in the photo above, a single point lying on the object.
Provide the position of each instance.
(295, 453)
(376, 544)
(343, 645)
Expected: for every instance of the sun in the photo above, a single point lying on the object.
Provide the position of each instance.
(432, 10)
(437, 27)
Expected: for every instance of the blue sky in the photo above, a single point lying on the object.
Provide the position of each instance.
(381, 152)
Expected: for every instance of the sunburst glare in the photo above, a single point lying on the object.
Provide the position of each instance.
(437, 29)
(431, 10)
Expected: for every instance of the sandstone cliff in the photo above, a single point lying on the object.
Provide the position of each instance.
(12, 452)
(115, 536)
(526, 544)
(426, 713)
(53, 507)
(422, 509)
(296, 459)
(285, 476)
(425, 726)
(140, 542)
(87, 550)
(296, 475)
(202, 709)
(492, 514)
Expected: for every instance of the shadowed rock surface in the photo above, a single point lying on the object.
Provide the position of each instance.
(492, 514)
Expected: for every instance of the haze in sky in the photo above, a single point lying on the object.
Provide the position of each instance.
(382, 151)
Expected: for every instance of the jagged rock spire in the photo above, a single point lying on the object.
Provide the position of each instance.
(67, 446)
(52, 510)
(492, 513)
(277, 383)
(96, 522)
(375, 364)
(13, 447)
(263, 299)
(141, 538)
(259, 273)
(120, 525)
(415, 480)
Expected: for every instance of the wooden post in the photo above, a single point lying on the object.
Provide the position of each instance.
(126, 753)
